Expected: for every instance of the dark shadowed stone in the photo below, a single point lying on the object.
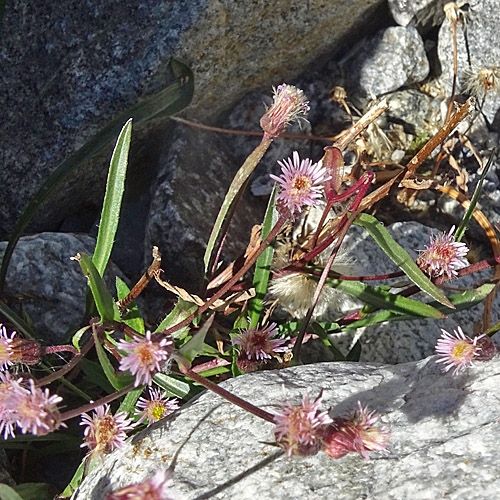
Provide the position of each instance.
(43, 283)
(444, 433)
(65, 73)
(195, 174)
(395, 57)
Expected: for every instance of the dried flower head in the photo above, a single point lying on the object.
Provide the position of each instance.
(355, 433)
(299, 428)
(289, 104)
(302, 183)
(153, 488)
(454, 12)
(156, 407)
(444, 255)
(146, 356)
(35, 410)
(479, 81)
(456, 350)
(105, 432)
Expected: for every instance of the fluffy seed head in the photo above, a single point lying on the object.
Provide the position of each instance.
(146, 357)
(478, 81)
(289, 104)
(444, 255)
(301, 182)
(456, 350)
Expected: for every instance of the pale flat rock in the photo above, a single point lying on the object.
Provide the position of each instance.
(444, 444)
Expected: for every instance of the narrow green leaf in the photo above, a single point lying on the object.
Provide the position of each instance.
(111, 206)
(382, 299)
(106, 365)
(355, 353)
(36, 491)
(461, 301)
(321, 333)
(475, 197)
(181, 311)
(8, 493)
(166, 102)
(95, 374)
(400, 257)
(19, 324)
(232, 194)
(173, 386)
(196, 345)
(78, 336)
(77, 479)
(263, 264)
(215, 371)
(128, 403)
(106, 307)
(133, 317)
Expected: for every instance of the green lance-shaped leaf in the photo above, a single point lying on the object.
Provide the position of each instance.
(133, 316)
(234, 190)
(400, 257)
(173, 386)
(181, 311)
(166, 102)
(115, 186)
(475, 197)
(128, 403)
(382, 299)
(263, 264)
(8, 493)
(196, 345)
(105, 303)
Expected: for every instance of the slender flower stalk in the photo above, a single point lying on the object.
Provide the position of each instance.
(156, 407)
(289, 104)
(105, 432)
(356, 433)
(444, 256)
(299, 428)
(153, 488)
(456, 350)
(302, 183)
(146, 357)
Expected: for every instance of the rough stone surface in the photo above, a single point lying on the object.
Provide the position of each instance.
(443, 444)
(395, 57)
(195, 173)
(402, 341)
(423, 14)
(480, 39)
(45, 284)
(64, 73)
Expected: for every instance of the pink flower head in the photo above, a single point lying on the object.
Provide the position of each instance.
(257, 343)
(302, 183)
(289, 104)
(105, 432)
(146, 357)
(299, 428)
(457, 350)
(156, 407)
(356, 433)
(35, 410)
(17, 350)
(444, 255)
(154, 488)
(8, 388)
(5, 348)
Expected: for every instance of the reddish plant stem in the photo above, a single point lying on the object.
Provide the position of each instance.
(91, 406)
(258, 412)
(60, 348)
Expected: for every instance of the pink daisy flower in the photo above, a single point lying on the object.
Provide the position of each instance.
(299, 428)
(154, 488)
(457, 350)
(8, 388)
(146, 357)
(356, 433)
(156, 407)
(105, 432)
(35, 410)
(289, 104)
(257, 343)
(444, 255)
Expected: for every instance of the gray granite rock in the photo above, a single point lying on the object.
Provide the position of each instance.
(478, 39)
(43, 283)
(195, 173)
(443, 444)
(65, 73)
(402, 341)
(423, 14)
(395, 57)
